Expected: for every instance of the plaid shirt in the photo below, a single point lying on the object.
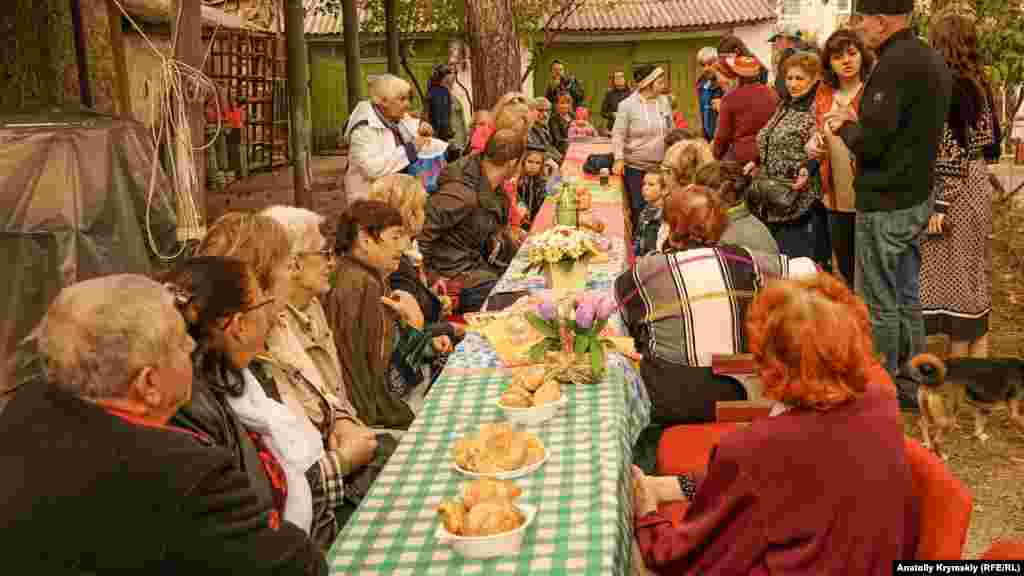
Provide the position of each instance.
(683, 307)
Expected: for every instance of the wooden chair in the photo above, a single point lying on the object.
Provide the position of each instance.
(685, 448)
(945, 505)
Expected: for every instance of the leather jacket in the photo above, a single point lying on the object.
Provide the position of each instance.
(208, 412)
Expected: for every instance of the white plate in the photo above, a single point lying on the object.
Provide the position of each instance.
(480, 547)
(504, 475)
(534, 414)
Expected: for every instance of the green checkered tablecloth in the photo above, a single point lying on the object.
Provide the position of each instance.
(582, 493)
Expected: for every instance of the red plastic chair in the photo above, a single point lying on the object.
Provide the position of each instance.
(685, 449)
(1004, 550)
(945, 505)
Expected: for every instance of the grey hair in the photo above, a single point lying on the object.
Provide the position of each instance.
(538, 102)
(388, 87)
(299, 223)
(99, 333)
(707, 54)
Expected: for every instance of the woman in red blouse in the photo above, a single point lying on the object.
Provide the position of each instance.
(822, 487)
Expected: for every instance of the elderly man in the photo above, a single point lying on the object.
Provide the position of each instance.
(896, 140)
(382, 138)
(95, 480)
(467, 237)
(539, 135)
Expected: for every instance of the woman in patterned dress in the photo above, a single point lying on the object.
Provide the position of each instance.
(955, 259)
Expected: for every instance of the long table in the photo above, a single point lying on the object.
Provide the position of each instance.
(583, 492)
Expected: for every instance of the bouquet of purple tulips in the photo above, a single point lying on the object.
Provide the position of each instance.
(573, 327)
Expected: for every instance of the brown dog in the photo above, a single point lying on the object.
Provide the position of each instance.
(978, 383)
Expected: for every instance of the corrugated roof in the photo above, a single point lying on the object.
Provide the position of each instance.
(649, 15)
(606, 15)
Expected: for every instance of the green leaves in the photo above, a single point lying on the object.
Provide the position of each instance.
(597, 358)
(537, 351)
(545, 327)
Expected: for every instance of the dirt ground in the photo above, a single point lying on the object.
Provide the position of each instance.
(993, 470)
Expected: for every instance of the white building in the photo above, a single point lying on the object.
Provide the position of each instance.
(817, 19)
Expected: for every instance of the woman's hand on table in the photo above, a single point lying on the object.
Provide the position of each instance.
(935, 223)
(751, 169)
(816, 148)
(618, 167)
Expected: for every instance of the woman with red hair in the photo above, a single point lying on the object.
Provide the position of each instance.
(822, 487)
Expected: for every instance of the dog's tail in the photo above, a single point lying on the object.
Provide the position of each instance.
(930, 368)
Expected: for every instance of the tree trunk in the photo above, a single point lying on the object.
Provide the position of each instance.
(493, 49)
(353, 75)
(391, 35)
(298, 82)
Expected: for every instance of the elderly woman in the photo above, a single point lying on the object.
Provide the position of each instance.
(301, 369)
(638, 137)
(686, 304)
(382, 137)
(230, 314)
(798, 220)
(836, 435)
(743, 111)
(406, 194)
(94, 437)
(377, 332)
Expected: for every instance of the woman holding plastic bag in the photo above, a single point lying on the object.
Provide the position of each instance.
(384, 139)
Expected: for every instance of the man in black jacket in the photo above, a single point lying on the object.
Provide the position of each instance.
(895, 141)
(94, 479)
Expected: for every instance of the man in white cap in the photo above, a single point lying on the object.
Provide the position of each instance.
(895, 140)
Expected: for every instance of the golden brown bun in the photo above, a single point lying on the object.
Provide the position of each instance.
(549, 392)
(492, 517)
(487, 489)
(453, 515)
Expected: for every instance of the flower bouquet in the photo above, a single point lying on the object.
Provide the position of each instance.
(573, 341)
(559, 251)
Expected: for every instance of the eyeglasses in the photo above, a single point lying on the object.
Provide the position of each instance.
(326, 253)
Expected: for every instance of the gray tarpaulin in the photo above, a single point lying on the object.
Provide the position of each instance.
(73, 196)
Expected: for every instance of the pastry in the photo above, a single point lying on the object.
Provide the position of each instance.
(487, 489)
(530, 380)
(548, 392)
(453, 515)
(515, 397)
(492, 517)
(497, 448)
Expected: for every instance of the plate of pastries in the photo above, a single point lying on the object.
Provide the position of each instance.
(487, 521)
(498, 451)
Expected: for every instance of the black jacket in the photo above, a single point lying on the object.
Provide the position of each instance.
(465, 234)
(208, 413)
(87, 492)
(902, 113)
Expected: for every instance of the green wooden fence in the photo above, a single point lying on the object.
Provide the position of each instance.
(330, 94)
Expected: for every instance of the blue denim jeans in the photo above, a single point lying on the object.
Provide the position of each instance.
(888, 278)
